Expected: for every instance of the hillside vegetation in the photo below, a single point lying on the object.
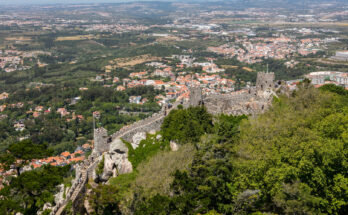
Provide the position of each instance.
(290, 160)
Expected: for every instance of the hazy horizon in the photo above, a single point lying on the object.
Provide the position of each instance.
(28, 2)
(43, 2)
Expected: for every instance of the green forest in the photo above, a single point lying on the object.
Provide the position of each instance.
(65, 135)
(290, 160)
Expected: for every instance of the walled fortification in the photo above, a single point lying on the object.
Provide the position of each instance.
(196, 96)
(152, 123)
(251, 101)
(235, 104)
(75, 194)
(265, 81)
(100, 140)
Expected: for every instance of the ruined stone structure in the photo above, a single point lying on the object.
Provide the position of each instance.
(196, 96)
(75, 194)
(153, 123)
(115, 153)
(101, 140)
(251, 101)
(265, 81)
(236, 104)
(115, 162)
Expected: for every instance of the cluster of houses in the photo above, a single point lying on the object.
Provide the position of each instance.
(63, 159)
(174, 80)
(116, 28)
(19, 125)
(12, 59)
(252, 50)
(178, 86)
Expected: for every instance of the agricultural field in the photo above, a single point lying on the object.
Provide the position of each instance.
(77, 37)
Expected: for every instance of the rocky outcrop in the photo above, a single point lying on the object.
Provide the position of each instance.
(47, 206)
(59, 197)
(25, 169)
(137, 138)
(174, 146)
(86, 203)
(117, 146)
(115, 161)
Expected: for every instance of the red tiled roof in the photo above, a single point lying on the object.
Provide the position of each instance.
(77, 159)
(65, 154)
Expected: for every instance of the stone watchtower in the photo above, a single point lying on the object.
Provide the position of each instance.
(265, 81)
(196, 96)
(101, 143)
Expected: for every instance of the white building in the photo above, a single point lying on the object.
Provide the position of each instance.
(340, 78)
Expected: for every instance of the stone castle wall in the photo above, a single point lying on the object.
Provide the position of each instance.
(247, 102)
(153, 123)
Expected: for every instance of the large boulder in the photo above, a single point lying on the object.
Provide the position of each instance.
(117, 146)
(86, 203)
(59, 197)
(116, 161)
(47, 206)
(114, 165)
(137, 138)
(109, 165)
(174, 146)
(158, 137)
(25, 169)
(125, 166)
(95, 177)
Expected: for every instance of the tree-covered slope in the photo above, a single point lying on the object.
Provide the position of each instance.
(290, 160)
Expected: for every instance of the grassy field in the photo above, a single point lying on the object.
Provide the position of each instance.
(248, 69)
(76, 37)
(20, 38)
(125, 62)
(229, 67)
(309, 24)
(332, 62)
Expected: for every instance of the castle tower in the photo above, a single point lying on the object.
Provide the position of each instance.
(265, 81)
(196, 96)
(100, 141)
